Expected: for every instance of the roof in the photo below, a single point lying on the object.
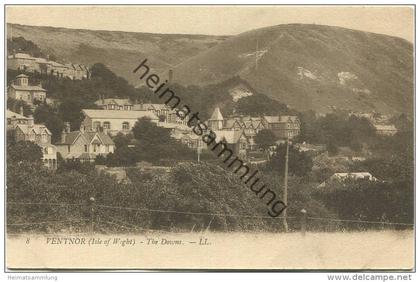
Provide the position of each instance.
(277, 119)
(72, 136)
(37, 128)
(231, 136)
(385, 127)
(217, 115)
(28, 88)
(22, 76)
(122, 114)
(23, 56)
(10, 114)
(120, 102)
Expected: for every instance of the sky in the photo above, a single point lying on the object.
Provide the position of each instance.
(215, 20)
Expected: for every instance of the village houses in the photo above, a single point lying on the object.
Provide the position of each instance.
(27, 63)
(24, 129)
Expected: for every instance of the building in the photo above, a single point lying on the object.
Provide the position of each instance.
(114, 121)
(21, 90)
(341, 177)
(283, 127)
(84, 145)
(385, 129)
(165, 113)
(234, 139)
(27, 63)
(26, 130)
(14, 119)
(114, 104)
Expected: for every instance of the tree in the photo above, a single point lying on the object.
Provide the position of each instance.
(46, 115)
(149, 133)
(300, 163)
(24, 151)
(265, 138)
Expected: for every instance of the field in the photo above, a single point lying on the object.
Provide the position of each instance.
(355, 250)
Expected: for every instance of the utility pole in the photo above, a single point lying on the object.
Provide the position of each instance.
(286, 171)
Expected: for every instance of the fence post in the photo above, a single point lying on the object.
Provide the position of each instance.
(92, 214)
(303, 222)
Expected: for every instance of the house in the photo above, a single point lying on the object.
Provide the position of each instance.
(385, 129)
(26, 130)
(234, 139)
(283, 127)
(340, 177)
(165, 113)
(84, 145)
(14, 119)
(114, 104)
(114, 121)
(21, 90)
(22, 62)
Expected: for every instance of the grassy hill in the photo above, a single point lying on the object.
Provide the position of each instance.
(313, 67)
(120, 51)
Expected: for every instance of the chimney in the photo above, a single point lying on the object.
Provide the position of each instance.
(67, 127)
(170, 76)
(63, 135)
(82, 128)
(21, 110)
(31, 120)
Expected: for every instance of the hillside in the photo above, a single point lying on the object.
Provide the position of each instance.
(313, 67)
(120, 51)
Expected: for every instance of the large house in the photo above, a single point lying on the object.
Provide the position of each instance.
(84, 145)
(283, 127)
(24, 129)
(114, 121)
(21, 90)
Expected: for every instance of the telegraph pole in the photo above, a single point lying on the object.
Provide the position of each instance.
(286, 171)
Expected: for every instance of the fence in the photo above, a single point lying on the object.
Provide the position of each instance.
(98, 218)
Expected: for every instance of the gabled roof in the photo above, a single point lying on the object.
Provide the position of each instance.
(71, 137)
(231, 136)
(36, 128)
(217, 115)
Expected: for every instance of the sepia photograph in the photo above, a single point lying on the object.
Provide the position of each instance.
(210, 137)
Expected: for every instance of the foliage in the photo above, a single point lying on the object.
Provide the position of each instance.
(23, 151)
(265, 138)
(48, 116)
(15, 106)
(21, 45)
(300, 163)
(371, 201)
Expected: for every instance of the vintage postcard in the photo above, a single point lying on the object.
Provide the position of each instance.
(209, 137)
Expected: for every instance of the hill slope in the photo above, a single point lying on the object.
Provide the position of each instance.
(120, 51)
(313, 67)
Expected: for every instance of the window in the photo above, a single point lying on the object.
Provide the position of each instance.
(68, 148)
(107, 125)
(125, 125)
(111, 107)
(86, 148)
(96, 125)
(44, 137)
(95, 147)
